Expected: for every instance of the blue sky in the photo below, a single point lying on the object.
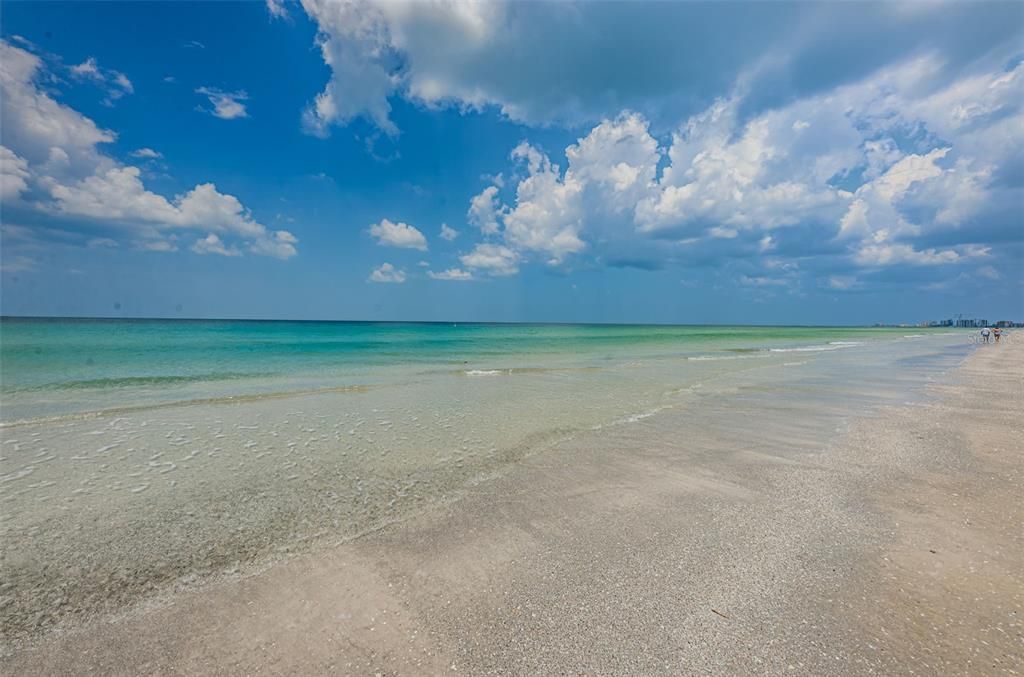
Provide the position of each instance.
(813, 163)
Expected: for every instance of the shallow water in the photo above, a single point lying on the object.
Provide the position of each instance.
(138, 469)
(61, 367)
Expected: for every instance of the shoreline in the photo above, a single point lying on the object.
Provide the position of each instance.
(658, 560)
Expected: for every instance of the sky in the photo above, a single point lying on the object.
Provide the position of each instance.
(763, 163)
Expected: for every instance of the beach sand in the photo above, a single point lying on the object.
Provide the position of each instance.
(896, 548)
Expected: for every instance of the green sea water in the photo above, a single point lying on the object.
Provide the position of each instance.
(52, 367)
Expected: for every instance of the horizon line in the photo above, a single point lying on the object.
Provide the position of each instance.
(4, 318)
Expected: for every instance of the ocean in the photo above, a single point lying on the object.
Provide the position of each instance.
(54, 368)
(141, 454)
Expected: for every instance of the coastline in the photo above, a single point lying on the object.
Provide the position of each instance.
(710, 554)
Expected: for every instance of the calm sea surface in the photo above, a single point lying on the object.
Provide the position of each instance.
(59, 367)
(137, 455)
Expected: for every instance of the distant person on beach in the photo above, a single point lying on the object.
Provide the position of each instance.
(997, 332)
(985, 334)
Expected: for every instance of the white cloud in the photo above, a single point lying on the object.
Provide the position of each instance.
(279, 244)
(211, 244)
(87, 69)
(403, 235)
(618, 159)
(734, 183)
(102, 243)
(448, 233)
(842, 282)
(484, 210)
(387, 273)
(548, 214)
(226, 105)
(277, 9)
(456, 274)
(14, 174)
(120, 194)
(723, 233)
(116, 83)
(739, 175)
(146, 154)
(354, 43)
(534, 62)
(56, 150)
(493, 259)
(886, 254)
(34, 123)
(122, 81)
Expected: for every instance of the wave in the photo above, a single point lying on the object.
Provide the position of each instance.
(136, 381)
(632, 418)
(831, 345)
(516, 371)
(715, 358)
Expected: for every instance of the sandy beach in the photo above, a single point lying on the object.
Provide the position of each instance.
(895, 548)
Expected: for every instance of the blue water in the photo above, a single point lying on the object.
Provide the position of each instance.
(60, 366)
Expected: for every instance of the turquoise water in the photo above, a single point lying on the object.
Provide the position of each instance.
(138, 455)
(56, 367)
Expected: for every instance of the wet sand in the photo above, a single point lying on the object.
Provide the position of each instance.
(896, 548)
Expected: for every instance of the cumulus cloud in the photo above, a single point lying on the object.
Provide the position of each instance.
(387, 273)
(211, 244)
(879, 158)
(456, 274)
(56, 153)
(874, 171)
(492, 259)
(390, 234)
(548, 215)
(226, 105)
(448, 233)
(279, 244)
(536, 62)
(34, 123)
(14, 174)
(484, 211)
